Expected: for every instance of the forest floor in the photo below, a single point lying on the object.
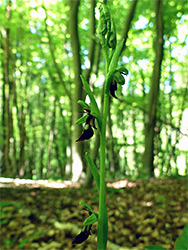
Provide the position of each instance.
(140, 214)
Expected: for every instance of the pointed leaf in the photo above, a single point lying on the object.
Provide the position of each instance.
(84, 104)
(87, 206)
(82, 119)
(94, 171)
(90, 220)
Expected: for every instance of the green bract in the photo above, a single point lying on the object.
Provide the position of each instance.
(90, 220)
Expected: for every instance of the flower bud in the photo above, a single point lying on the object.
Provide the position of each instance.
(111, 38)
(104, 24)
(119, 78)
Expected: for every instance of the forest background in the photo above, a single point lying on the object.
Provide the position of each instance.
(45, 47)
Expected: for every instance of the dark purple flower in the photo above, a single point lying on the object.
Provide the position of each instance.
(113, 88)
(88, 131)
(81, 237)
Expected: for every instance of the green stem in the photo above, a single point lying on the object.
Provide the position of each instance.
(103, 219)
(102, 226)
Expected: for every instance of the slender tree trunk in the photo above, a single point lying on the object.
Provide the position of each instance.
(153, 94)
(32, 143)
(43, 122)
(6, 91)
(128, 20)
(52, 51)
(5, 116)
(77, 148)
(135, 155)
(22, 143)
(92, 41)
(91, 62)
(177, 138)
(51, 137)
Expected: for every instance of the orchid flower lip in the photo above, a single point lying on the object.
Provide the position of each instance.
(87, 134)
(81, 237)
(88, 131)
(113, 88)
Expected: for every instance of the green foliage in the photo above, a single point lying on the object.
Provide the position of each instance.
(9, 243)
(9, 203)
(25, 241)
(38, 98)
(181, 243)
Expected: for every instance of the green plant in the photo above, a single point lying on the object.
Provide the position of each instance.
(181, 243)
(113, 75)
(26, 240)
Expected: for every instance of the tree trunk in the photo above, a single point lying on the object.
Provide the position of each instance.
(150, 121)
(51, 138)
(77, 147)
(22, 143)
(42, 101)
(92, 41)
(128, 20)
(6, 92)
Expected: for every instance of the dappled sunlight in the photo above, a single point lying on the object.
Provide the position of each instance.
(10, 182)
(121, 184)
